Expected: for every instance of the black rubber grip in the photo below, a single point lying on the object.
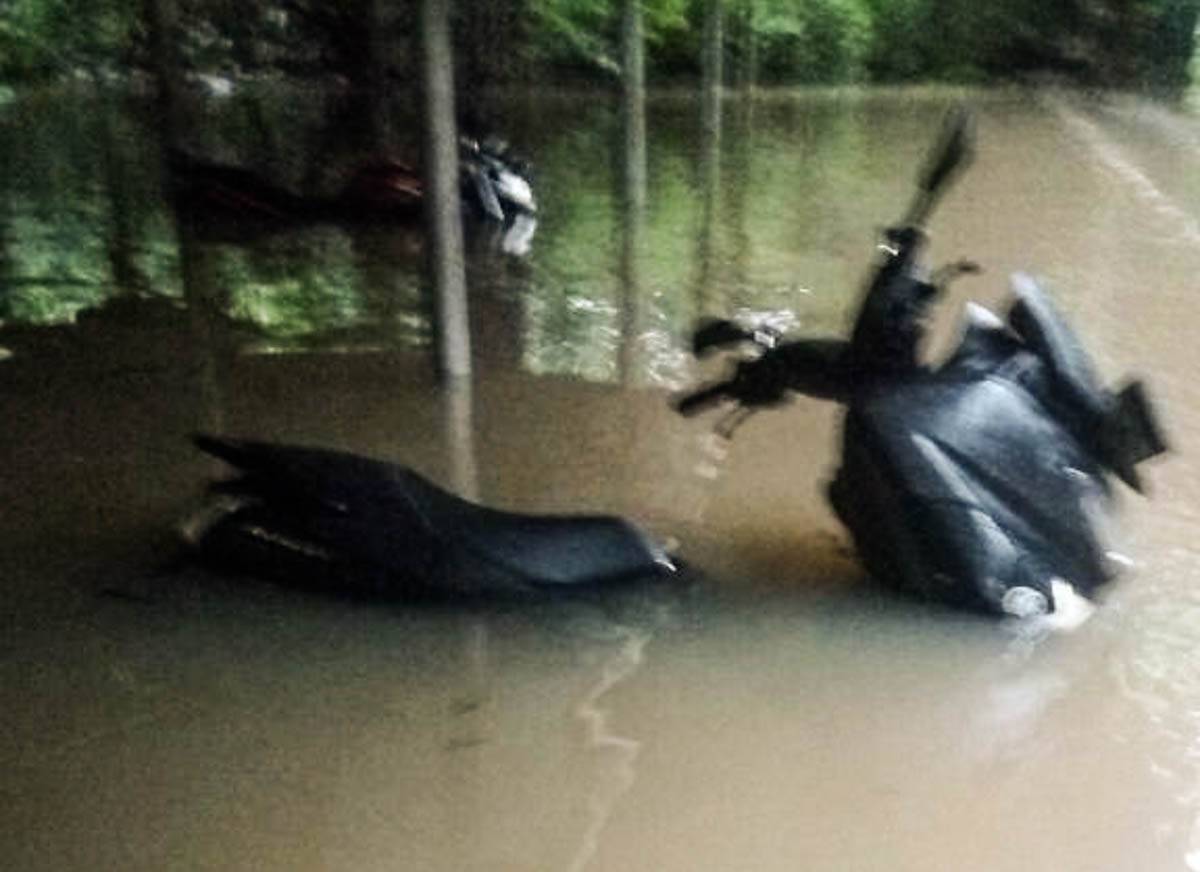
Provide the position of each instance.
(697, 402)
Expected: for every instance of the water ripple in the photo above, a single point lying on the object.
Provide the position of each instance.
(621, 750)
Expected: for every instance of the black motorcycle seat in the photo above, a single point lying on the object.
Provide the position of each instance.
(387, 514)
(545, 549)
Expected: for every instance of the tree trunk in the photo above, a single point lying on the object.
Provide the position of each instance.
(711, 61)
(162, 27)
(196, 265)
(200, 294)
(458, 431)
(442, 211)
(378, 112)
(735, 210)
(633, 184)
(7, 269)
(707, 302)
(710, 156)
(748, 71)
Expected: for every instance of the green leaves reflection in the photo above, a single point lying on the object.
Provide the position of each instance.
(288, 296)
(571, 308)
(83, 221)
(787, 224)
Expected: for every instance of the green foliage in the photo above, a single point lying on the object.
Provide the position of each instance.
(830, 41)
(583, 33)
(285, 301)
(816, 41)
(1111, 42)
(59, 37)
(575, 33)
(54, 271)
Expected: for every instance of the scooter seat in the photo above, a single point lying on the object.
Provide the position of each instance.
(544, 549)
(393, 522)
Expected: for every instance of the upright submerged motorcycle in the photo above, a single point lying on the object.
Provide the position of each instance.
(983, 483)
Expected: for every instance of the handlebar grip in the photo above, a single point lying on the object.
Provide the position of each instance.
(698, 401)
(716, 333)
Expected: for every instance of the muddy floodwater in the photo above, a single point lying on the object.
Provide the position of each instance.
(775, 710)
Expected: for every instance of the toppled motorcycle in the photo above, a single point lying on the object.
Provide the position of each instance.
(983, 483)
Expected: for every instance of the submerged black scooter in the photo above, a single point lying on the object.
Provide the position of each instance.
(982, 483)
(339, 522)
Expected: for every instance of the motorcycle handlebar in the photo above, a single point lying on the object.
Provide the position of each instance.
(697, 401)
(949, 157)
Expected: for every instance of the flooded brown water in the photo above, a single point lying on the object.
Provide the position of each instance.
(781, 713)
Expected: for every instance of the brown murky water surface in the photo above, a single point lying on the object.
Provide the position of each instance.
(782, 713)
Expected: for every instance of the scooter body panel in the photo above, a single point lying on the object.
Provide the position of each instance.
(965, 483)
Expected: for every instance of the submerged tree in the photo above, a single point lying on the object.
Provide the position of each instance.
(633, 178)
(747, 44)
(443, 218)
(710, 151)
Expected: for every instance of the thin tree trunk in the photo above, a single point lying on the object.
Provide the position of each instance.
(468, 733)
(710, 157)
(735, 208)
(7, 267)
(162, 26)
(123, 224)
(458, 430)
(443, 219)
(199, 290)
(196, 265)
(707, 302)
(379, 114)
(633, 188)
(712, 63)
(748, 73)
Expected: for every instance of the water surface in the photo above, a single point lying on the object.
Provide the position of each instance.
(781, 713)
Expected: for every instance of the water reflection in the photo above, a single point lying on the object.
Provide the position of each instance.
(623, 261)
(202, 295)
(632, 194)
(621, 751)
(83, 226)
